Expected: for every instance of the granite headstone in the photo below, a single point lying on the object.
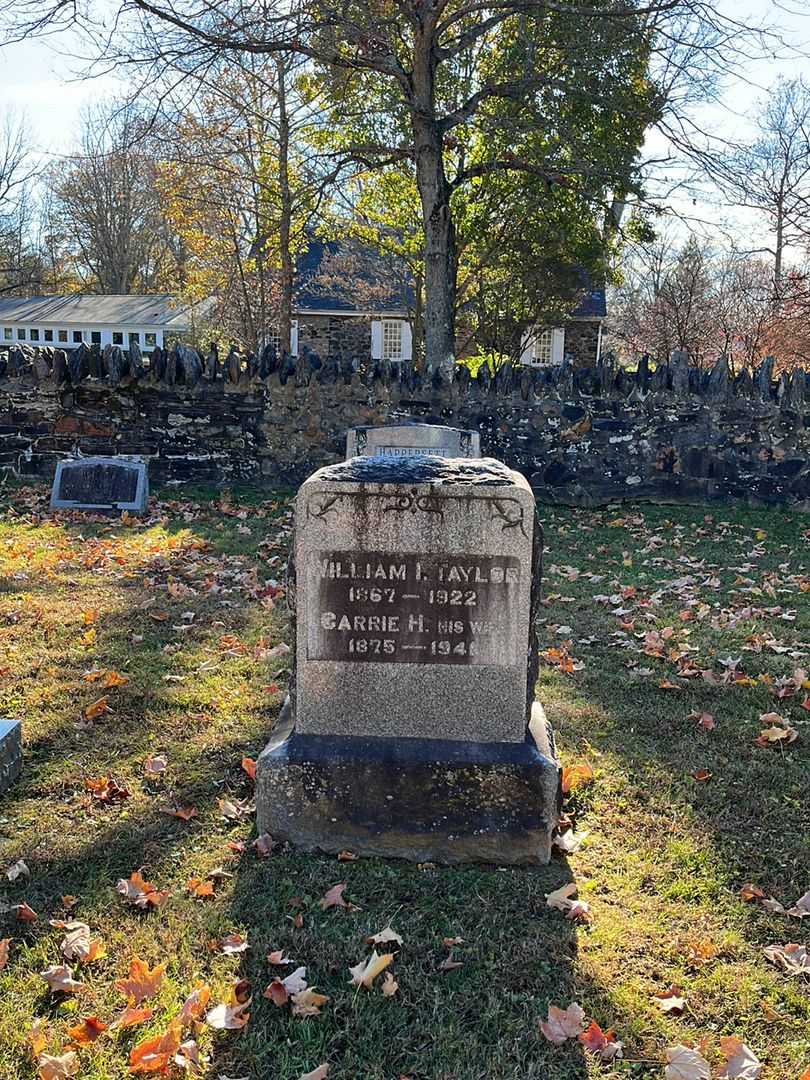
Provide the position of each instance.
(411, 729)
(101, 483)
(405, 440)
(10, 752)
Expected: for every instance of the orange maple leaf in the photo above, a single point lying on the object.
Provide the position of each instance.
(573, 776)
(155, 1054)
(87, 1031)
(142, 982)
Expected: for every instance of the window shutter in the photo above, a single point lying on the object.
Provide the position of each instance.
(376, 339)
(294, 337)
(407, 341)
(557, 346)
(527, 345)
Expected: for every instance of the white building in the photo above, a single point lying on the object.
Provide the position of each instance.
(65, 321)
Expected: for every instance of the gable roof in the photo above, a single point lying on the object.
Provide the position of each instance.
(347, 277)
(85, 310)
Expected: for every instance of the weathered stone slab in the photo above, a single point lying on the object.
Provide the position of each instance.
(10, 752)
(420, 799)
(101, 483)
(413, 596)
(405, 440)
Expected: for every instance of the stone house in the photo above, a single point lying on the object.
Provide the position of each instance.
(579, 337)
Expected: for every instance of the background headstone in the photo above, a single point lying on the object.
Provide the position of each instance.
(404, 440)
(10, 752)
(100, 483)
(415, 733)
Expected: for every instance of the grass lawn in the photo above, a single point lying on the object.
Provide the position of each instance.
(182, 606)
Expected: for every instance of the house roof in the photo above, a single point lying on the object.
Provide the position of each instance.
(86, 310)
(593, 305)
(344, 276)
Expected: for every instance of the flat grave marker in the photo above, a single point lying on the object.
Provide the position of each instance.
(100, 483)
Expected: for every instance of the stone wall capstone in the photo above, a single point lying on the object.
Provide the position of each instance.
(582, 436)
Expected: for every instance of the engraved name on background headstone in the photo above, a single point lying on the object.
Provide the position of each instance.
(100, 483)
(10, 752)
(404, 440)
(415, 587)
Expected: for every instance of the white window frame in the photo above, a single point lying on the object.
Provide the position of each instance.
(543, 346)
(391, 343)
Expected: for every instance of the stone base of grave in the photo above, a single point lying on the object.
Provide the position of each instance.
(10, 752)
(427, 800)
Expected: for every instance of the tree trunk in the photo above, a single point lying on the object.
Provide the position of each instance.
(434, 193)
(285, 222)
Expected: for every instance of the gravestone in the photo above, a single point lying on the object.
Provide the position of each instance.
(411, 728)
(405, 440)
(101, 483)
(10, 752)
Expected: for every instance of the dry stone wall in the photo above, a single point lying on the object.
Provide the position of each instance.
(583, 436)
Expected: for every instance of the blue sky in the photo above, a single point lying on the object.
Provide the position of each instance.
(39, 78)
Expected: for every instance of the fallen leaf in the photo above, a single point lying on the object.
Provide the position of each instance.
(601, 1043)
(307, 1003)
(229, 1016)
(384, 936)
(155, 764)
(200, 888)
(234, 810)
(76, 944)
(670, 1001)
(97, 708)
(741, 1062)
(347, 856)
(751, 892)
(59, 978)
(89, 616)
(684, 1063)
(334, 898)
(57, 1067)
(155, 1054)
(142, 982)
(230, 944)
(37, 1037)
(263, 845)
(450, 964)
(704, 720)
(574, 776)
(389, 985)
(792, 959)
(364, 973)
(112, 680)
(17, 870)
(130, 1017)
(317, 1074)
(86, 1031)
(185, 813)
(194, 1005)
(4, 944)
(702, 774)
(451, 942)
(563, 1024)
(801, 909)
(188, 1057)
(24, 913)
(143, 894)
(106, 789)
(249, 765)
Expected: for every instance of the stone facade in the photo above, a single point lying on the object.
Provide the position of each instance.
(581, 436)
(335, 335)
(582, 342)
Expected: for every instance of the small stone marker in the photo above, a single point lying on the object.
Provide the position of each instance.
(10, 752)
(101, 483)
(411, 728)
(405, 440)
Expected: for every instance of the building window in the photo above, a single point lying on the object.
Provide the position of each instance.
(543, 347)
(392, 340)
(35, 335)
(118, 337)
(61, 335)
(134, 338)
(150, 340)
(95, 337)
(20, 334)
(48, 335)
(273, 337)
(78, 337)
(8, 333)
